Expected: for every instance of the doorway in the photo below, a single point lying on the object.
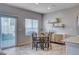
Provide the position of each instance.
(7, 31)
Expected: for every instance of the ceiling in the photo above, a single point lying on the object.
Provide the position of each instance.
(43, 7)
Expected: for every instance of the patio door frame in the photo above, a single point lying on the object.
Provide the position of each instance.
(16, 18)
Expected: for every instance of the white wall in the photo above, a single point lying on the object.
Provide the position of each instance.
(21, 14)
(68, 17)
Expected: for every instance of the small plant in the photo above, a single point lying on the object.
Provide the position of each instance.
(58, 20)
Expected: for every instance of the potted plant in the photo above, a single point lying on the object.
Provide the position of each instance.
(58, 20)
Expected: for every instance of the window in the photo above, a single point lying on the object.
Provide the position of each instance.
(7, 24)
(31, 26)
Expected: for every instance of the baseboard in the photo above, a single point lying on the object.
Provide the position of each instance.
(23, 44)
(8, 47)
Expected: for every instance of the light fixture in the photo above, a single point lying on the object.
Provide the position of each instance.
(48, 8)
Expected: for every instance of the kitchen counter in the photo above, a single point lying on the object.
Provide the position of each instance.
(72, 45)
(72, 39)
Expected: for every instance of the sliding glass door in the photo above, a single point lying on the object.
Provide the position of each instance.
(7, 31)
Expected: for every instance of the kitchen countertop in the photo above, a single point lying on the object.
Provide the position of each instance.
(74, 39)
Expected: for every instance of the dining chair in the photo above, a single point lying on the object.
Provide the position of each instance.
(50, 37)
(47, 41)
(44, 41)
(35, 40)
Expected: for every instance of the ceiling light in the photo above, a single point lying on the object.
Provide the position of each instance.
(48, 8)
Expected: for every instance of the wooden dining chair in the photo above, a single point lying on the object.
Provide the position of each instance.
(44, 41)
(50, 37)
(47, 42)
(35, 40)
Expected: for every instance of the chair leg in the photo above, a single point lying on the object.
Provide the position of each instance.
(47, 46)
(36, 46)
(32, 45)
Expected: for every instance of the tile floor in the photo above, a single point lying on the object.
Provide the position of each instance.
(27, 50)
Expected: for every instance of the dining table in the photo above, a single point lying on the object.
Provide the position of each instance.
(43, 41)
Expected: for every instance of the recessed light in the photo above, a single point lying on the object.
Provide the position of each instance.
(48, 8)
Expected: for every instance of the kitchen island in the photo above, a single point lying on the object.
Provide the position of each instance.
(72, 45)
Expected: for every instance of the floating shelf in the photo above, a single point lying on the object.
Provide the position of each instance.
(57, 24)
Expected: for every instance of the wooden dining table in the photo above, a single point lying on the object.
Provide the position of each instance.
(43, 41)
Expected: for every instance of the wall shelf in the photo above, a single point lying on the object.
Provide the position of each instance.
(57, 23)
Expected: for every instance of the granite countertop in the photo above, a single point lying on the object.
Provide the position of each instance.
(72, 39)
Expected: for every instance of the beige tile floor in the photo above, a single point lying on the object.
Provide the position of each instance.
(27, 50)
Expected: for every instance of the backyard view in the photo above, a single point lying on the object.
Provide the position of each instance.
(7, 31)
